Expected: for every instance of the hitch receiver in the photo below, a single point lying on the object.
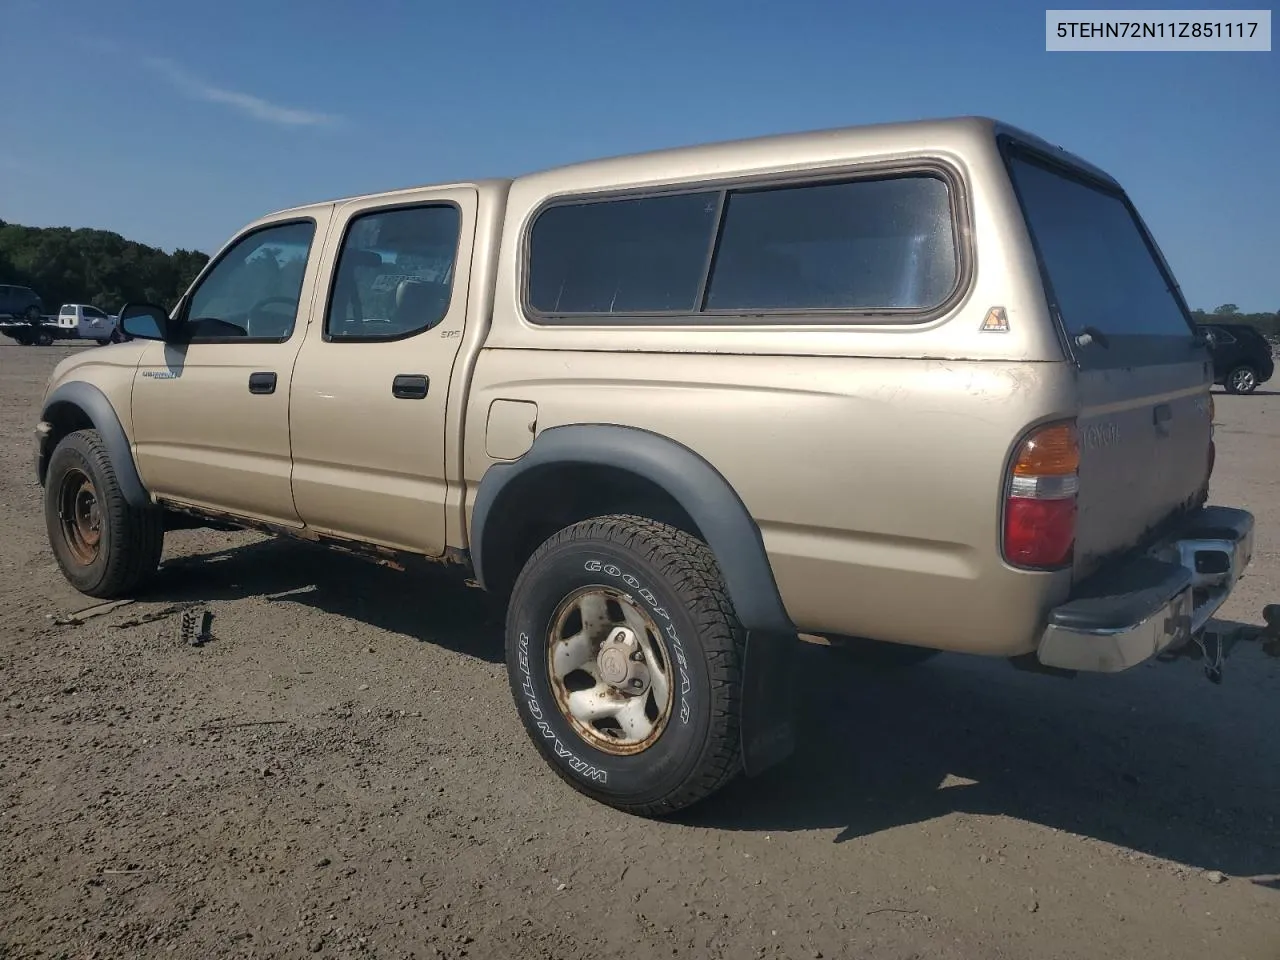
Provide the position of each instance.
(1214, 646)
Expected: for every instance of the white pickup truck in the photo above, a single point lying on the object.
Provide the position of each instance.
(87, 322)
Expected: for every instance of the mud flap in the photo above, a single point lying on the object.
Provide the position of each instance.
(768, 703)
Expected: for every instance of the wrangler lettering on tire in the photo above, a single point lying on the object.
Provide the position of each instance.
(624, 659)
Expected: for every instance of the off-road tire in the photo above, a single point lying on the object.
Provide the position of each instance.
(1252, 382)
(44, 339)
(674, 577)
(132, 538)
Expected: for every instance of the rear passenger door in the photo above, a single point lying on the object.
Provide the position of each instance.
(367, 406)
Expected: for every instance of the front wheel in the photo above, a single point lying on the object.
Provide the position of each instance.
(105, 547)
(624, 657)
(1243, 379)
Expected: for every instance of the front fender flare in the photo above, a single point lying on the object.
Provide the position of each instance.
(95, 405)
(729, 530)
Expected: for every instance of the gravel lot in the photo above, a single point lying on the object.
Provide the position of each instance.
(340, 772)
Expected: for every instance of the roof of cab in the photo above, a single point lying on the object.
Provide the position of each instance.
(867, 139)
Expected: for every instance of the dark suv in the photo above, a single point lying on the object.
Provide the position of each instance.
(1241, 356)
(20, 303)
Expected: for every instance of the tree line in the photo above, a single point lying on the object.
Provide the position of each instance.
(97, 267)
(104, 269)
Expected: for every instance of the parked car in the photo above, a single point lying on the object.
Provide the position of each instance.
(22, 316)
(683, 410)
(89, 323)
(1242, 358)
(20, 303)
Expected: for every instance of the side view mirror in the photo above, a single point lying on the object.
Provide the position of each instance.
(146, 321)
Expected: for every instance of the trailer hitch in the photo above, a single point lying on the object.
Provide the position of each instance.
(1214, 646)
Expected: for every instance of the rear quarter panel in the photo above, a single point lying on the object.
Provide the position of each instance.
(876, 483)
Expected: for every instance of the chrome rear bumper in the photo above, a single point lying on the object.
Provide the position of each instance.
(1154, 602)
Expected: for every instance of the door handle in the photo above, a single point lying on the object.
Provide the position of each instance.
(262, 382)
(410, 386)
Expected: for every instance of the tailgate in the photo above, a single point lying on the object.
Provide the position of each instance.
(1144, 449)
(1143, 377)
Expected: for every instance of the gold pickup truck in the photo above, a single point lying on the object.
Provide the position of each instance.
(904, 388)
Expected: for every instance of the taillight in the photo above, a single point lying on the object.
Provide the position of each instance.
(1040, 504)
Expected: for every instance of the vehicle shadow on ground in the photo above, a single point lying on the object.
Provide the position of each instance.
(1155, 760)
(428, 603)
(1162, 763)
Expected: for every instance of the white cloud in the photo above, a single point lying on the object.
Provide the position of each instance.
(246, 103)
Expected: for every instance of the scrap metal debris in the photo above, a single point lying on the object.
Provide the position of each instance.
(155, 615)
(194, 629)
(78, 618)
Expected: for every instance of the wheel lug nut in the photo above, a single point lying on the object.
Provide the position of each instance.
(637, 684)
(638, 657)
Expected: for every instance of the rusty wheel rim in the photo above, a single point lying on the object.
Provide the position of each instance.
(609, 670)
(80, 516)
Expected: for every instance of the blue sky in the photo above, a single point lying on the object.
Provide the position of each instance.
(174, 123)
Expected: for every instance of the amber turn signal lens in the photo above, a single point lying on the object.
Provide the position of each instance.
(1051, 451)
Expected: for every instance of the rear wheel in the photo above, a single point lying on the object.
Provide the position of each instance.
(105, 547)
(624, 658)
(1242, 379)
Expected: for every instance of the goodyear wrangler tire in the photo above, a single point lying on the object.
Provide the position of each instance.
(624, 659)
(105, 547)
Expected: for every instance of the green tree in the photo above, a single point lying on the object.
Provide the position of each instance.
(1227, 310)
(93, 266)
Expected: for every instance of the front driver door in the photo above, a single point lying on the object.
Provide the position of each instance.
(211, 411)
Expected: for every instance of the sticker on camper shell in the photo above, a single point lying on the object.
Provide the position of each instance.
(995, 321)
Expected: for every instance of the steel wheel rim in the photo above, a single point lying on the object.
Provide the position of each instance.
(1243, 380)
(80, 516)
(608, 670)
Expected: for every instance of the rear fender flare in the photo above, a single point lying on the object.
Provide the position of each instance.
(728, 529)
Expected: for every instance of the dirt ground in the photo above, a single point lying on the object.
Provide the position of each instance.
(340, 772)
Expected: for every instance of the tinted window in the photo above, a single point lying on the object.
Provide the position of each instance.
(865, 245)
(1102, 272)
(644, 255)
(395, 273)
(253, 290)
